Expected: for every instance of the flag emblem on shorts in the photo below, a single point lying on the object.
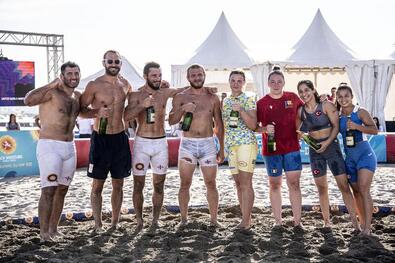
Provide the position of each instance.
(274, 171)
(288, 104)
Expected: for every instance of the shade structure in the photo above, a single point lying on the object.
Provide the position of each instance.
(222, 50)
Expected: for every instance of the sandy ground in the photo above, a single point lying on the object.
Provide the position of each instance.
(197, 242)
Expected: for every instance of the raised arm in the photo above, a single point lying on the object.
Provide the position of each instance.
(41, 95)
(219, 128)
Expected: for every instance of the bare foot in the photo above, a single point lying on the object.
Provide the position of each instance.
(139, 227)
(45, 237)
(327, 225)
(366, 232)
(112, 228)
(216, 224)
(97, 230)
(182, 224)
(156, 224)
(243, 226)
(57, 235)
(277, 225)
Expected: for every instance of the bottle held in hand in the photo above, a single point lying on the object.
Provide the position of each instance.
(234, 118)
(103, 124)
(186, 123)
(271, 143)
(310, 141)
(150, 114)
(350, 136)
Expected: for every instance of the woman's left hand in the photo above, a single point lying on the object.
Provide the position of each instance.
(324, 145)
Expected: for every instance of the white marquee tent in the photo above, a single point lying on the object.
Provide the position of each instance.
(320, 49)
(128, 71)
(221, 51)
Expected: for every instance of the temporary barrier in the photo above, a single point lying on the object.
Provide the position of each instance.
(18, 151)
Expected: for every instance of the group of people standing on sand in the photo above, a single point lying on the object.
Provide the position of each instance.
(281, 116)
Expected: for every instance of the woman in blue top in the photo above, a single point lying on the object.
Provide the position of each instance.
(361, 161)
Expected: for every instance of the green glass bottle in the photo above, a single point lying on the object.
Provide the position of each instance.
(310, 141)
(103, 124)
(271, 143)
(186, 123)
(350, 136)
(150, 114)
(234, 117)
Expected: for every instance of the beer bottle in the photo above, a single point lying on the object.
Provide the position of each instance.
(150, 113)
(350, 136)
(234, 118)
(103, 124)
(310, 141)
(271, 143)
(186, 123)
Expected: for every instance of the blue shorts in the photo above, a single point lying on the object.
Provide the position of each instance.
(360, 157)
(289, 162)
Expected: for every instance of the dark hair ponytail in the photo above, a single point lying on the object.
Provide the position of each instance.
(343, 86)
(310, 85)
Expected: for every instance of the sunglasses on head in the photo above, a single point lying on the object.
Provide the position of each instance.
(111, 61)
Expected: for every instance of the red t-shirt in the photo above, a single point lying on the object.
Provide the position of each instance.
(282, 114)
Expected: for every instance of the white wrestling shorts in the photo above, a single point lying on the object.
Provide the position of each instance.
(57, 162)
(150, 151)
(194, 150)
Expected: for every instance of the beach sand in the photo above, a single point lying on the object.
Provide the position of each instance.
(197, 242)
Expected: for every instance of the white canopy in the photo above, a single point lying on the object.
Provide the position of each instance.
(128, 71)
(222, 50)
(319, 47)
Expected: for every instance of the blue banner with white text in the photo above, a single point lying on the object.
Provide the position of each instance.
(18, 153)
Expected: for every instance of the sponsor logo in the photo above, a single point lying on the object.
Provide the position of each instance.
(7, 144)
(242, 164)
(52, 177)
(139, 166)
(288, 104)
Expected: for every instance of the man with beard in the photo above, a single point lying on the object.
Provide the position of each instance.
(197, 144)
(58, 109)
(150, 143)
(105, 98)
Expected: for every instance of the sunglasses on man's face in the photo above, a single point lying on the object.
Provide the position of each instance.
(110, 61)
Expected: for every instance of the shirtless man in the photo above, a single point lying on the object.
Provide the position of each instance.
(197, 144)
(150, 143)
(105, 98)
(58, 109)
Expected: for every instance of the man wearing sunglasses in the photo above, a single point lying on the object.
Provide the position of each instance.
(105, 98)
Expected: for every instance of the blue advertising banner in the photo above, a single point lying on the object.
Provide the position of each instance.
(377, 142)
(18, 153)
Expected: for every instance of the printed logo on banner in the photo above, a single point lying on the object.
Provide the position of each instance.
(7, 144)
